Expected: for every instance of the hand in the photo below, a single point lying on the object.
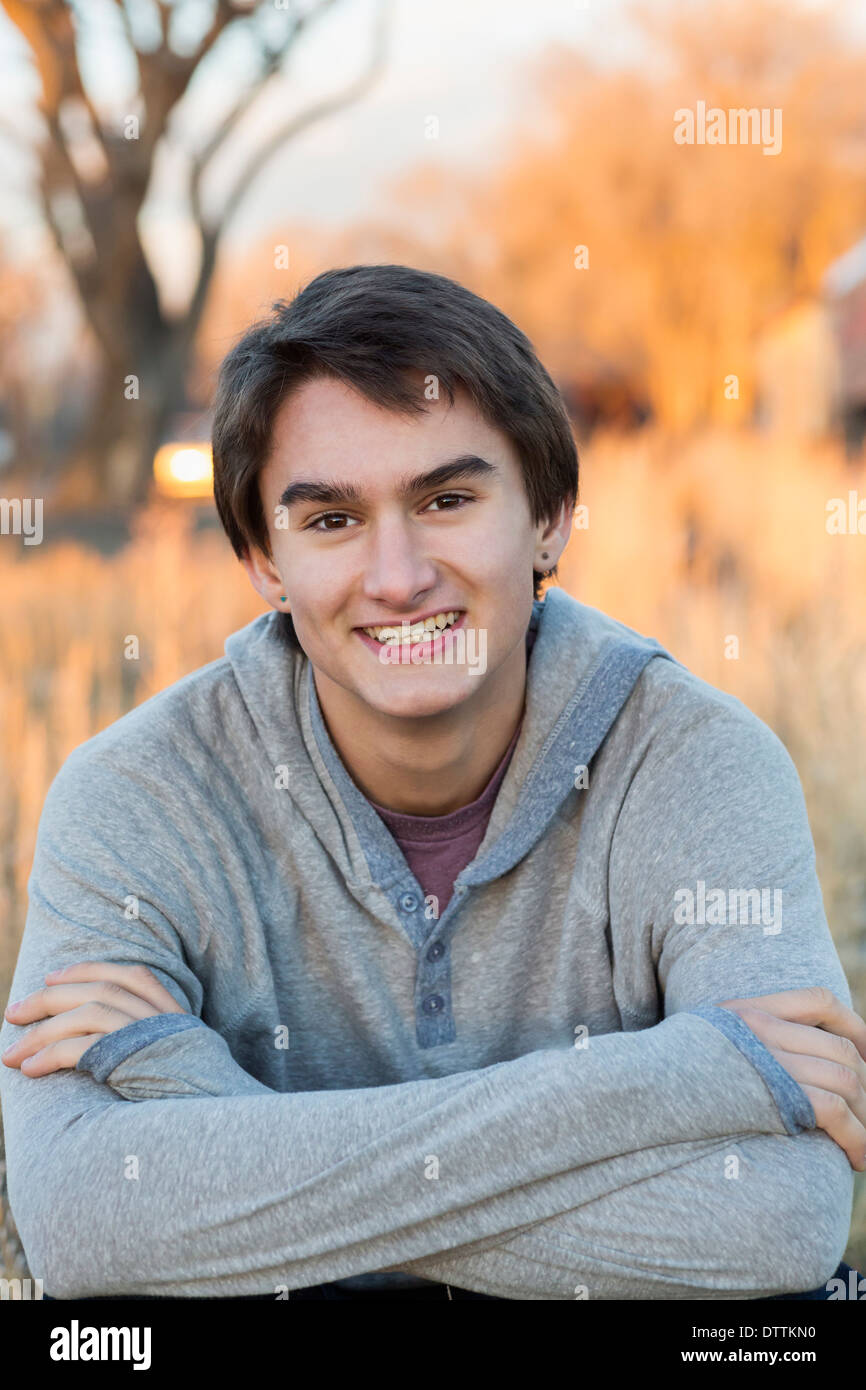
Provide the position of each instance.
(821, 1043)
(86, 1002)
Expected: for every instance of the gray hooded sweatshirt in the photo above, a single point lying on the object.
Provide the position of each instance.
(533, 1095)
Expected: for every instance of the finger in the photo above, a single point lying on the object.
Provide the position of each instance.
(814, 1005)
(828, 1076)
(805, 1039)
(136, 978)
(55, 999)
(58, 1055)
(89, 1018)
(835, 1118)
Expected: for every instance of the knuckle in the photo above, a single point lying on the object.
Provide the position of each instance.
(829, 1107)
(822, 996)
(850, 1056)
(750, 1014)
(847, 1082)
(837, 1107)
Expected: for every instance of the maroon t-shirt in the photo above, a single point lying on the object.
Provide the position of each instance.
(436, 848)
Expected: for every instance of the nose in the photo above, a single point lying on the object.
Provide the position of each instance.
(398, 570)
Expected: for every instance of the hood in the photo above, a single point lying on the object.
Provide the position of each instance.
(582, 669)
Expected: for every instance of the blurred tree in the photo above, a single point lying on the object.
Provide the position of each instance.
(22, 297)
(96, 167)
(646, 271)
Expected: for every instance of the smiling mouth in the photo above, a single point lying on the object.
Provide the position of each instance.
(414, 634)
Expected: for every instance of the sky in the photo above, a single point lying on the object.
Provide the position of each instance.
(466, 62)
(463, 61)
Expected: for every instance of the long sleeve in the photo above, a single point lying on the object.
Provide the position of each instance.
(738, 1219)
(755, 1204)
(204, 1195)
(208, 1196)
(627, 1243)
(193, 1192)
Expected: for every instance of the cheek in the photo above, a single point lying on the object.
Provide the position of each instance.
(495, 553)
(309, 579)
(317, 601)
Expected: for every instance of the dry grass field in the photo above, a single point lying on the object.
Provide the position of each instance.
(719, 537)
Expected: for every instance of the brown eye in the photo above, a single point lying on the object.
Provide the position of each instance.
(327, 516)
(453, 497)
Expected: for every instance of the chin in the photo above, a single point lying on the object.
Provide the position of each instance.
(420, 702)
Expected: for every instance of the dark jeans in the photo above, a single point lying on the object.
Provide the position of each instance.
(331, 1291)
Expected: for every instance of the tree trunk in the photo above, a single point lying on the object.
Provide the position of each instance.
(119, 440)
(133, 404)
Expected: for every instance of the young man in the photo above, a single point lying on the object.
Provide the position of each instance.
(495, 959)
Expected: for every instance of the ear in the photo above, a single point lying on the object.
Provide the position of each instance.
(552, 536)
(265, 579)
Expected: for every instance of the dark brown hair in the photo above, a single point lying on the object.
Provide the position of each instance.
(369, 326)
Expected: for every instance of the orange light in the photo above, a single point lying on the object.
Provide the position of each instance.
(184, 470)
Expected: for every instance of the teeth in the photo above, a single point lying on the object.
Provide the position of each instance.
(417, 632)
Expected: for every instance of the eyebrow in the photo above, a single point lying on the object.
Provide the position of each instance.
(410, 485)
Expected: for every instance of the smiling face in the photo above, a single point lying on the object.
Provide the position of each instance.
(406, 543)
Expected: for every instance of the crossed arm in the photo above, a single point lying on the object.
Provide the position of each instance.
(609, 1168)
(537, 1191)
(647, 1236)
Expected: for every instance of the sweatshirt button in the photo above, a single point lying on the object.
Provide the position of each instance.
(433, 1004)
(436, 950)
(408, 902)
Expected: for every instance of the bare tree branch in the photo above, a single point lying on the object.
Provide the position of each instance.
(195, 309)
(53, 43)
(165, 75)
(302, 119)
(274, 61)
(164, 20)
(39, 22)
(116, 287)
(123, 13)
(102, 331)
(225, 128)
(223, 16)
(49, 29)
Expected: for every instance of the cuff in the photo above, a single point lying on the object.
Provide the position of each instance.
(794, 1105)
(111, 1049)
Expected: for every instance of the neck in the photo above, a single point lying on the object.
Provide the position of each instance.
(431, 765)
